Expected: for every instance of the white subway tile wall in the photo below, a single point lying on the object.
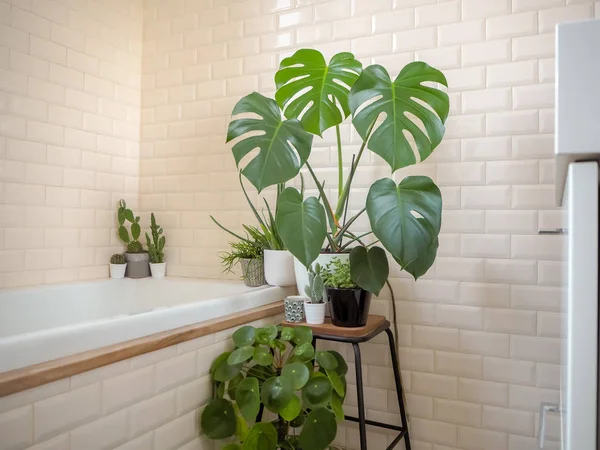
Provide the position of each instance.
(70, 102)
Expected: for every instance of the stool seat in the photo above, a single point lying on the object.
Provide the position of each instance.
(375, 325)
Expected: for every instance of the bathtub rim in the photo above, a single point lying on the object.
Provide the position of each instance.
(21, 379)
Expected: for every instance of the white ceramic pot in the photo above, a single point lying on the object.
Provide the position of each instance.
(322, 259)
(279, 268)
(314, 313)
(158, 269)
(117, 270)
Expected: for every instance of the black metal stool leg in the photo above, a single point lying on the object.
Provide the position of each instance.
(362, 426)
(398, 387)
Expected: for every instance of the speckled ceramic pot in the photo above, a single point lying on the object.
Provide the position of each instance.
(294, 308)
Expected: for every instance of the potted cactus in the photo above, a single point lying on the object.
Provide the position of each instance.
(137, 258)
(314, 307)
(118, 264)
(158, 266)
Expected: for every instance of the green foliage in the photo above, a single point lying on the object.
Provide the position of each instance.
(284, 382)
(242, 249)
(369, 268)
(118, 258)
(157, 245)
(336, 274)
(125, 214)
(316, 286)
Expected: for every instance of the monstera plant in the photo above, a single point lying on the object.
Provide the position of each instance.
(401, 120)
(272, 372)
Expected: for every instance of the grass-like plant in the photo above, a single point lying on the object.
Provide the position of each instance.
(336, 274)
(241, 249)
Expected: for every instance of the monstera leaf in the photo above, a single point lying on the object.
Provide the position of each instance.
(406, 219)
(306, 83)
(369, 268)
(302, 225)
(283, 145)
(398, 100)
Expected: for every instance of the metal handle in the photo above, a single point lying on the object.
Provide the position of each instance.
(545, 408)
(554, 231)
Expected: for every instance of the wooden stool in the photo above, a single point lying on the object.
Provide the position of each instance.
(375, 325)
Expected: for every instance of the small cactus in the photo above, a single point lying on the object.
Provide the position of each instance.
(118, 258)
(126, 214)
(157, 245)
(315, 287)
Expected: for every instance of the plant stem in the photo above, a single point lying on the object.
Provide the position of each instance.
(329, 212)
(340, 162)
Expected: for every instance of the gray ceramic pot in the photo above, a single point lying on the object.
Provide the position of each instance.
(138, 265)
(253, 272)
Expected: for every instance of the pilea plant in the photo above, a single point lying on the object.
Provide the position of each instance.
(273, 368)
(118, 258)
(401, 120)
(126, 214)
(316, 287)
(337, 275)
(157, 244)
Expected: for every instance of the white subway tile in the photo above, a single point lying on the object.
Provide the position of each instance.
(16, 428)
(152, 413)
(458, 364)
(483, 392)
(465, 79)
(436, 338)
(489, 52)
(549, 18)
(48, 50)
(460, 269)
(462, 413)
(463, 173)
(534, 96)
(486, 148)
(486, 100)
(510, 321)
(502, 419)
(30, 23)
(412, 40)
(483, 343)
(485, 197)
(419, 405)
(533, 197)
(526, 5)
(461, 33)
(463, 317)
(512, 25)
(441, 386)
(103, 433)
(533, 47)
(508, 370)
(511, 222)
(535, 349)
(511, 74)
(512, 172)
(421, 360)
(550, 324)
(536, 298)
(463, 221)
(487, 295)
(547, 375)
(515, 122)
(433, 431)
(530, 398)
(448, 12)
(538, 247)
(393, 21)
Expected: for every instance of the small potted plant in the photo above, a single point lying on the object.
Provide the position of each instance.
(349, 303)
(314, 307)
(249, 254)
(158, 266)
(137, 258)
(118, 264)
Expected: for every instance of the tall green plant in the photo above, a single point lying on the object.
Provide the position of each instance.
(157, 244)
(125, 214)
(273, 368)
(401, 120)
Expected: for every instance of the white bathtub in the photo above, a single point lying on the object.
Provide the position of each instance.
(49, 322)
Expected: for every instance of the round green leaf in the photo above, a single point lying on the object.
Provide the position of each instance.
(276, 393)
(298, 421)
(243, 336)
(247, 397)
(336, 407)
(232, 447)
(279, 345)
(218, 419)
(406, 218)
(317, 392)
(284, 146)
(302, 225)
(298, 373)
(302, 334)
(287, 333)
(262, 436)
(342, 366)
(271, 331)
(262, 336)
(369, 268)
(223, 371)
(292, 409)
(336, 382)
(326, 360)
(305, 352)
(233, 384)
(398, 101)
(263, 356)
(322, 88)
(241, 355)
(319, 430)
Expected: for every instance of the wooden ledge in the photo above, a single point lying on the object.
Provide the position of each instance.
(29, 377)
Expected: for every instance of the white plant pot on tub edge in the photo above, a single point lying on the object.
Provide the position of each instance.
(314, 313)
(279, 268)
(158, 270)
(322, 259)
(117, 271)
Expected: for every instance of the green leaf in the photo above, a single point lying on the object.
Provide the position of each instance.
(322, 87)
(284, 146)
(305, 352)
(301, 224)
(135, 231)
(232, 447)
(336, 382)
(263, 356)
(262, 436)
(233, 383)
(297, 372)
(398, 101)
(317, 392)
(291, 411)
(406, 219)
(243, 336)
(276, 393)
(217, 361)
(241, 355)
(298, 421)
(337, 408)
(271, 331)
(121, 215)
(342, 366)
(279, 345)
(369, 268)
(218, 419)
(247, 397)
(124, 234)
(129, 215)
(326, 360)
(319, 430)
(302, 334)
(287, 333)
(225, 371)
(262, 336)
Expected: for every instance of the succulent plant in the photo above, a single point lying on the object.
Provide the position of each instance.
(118, 258)
(126, 214)
(336, 274)
(157, 245)
(316, 286)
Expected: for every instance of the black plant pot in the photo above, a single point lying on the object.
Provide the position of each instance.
(349, 307)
